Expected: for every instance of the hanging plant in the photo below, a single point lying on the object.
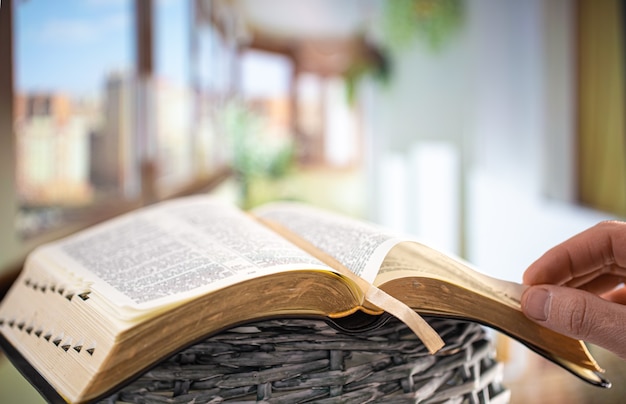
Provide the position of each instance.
(432, 21)
(371, 61)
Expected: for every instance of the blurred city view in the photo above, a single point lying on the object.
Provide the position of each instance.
(78, 137)
(492, 129)
(72, 122)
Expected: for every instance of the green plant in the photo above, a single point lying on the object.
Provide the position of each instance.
(255, 153)
(432, 21)
(373, 61)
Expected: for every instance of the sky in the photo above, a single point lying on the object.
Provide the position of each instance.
(72, 45)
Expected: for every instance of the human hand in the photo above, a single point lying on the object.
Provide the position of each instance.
(577, 288)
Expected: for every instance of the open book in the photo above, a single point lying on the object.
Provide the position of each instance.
(90, 312)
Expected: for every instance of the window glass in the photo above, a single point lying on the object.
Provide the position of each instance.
(266, 88)
(214, 74)
(173, 95)
(73, 108)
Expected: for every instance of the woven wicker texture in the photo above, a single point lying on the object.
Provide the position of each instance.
(303, 360)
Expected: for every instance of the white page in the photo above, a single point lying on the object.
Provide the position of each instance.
(358, 245)
(173, 251)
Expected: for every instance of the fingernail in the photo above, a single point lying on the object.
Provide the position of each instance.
(537, 303)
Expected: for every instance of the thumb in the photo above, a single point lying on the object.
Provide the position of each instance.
(578, 314)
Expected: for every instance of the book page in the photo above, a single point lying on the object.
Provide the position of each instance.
(413, 259)
(362, 247)
(358, 245)
(174, 250)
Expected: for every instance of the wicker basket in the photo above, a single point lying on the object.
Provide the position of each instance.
(304, 360)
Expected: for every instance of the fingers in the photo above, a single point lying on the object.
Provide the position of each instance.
(578, 314)
(569, 278)
(598, 250)
(616, 296)
(599, 284)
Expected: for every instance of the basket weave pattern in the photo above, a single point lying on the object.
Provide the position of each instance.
(304, 360)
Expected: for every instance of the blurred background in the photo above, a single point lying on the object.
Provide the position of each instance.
(492, 129)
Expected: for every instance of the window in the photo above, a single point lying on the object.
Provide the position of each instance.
(72, 108)
(101, 112)
(111, 105)
(214, 77)
(173, 96)
(266, 88)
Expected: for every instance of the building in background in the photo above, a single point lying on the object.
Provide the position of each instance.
(53, 135)
(111, 143)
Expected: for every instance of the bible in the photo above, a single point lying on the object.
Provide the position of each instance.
(90, 312)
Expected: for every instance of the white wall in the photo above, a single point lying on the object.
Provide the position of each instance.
(424, 108)
(521, 178)
(500, 96)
